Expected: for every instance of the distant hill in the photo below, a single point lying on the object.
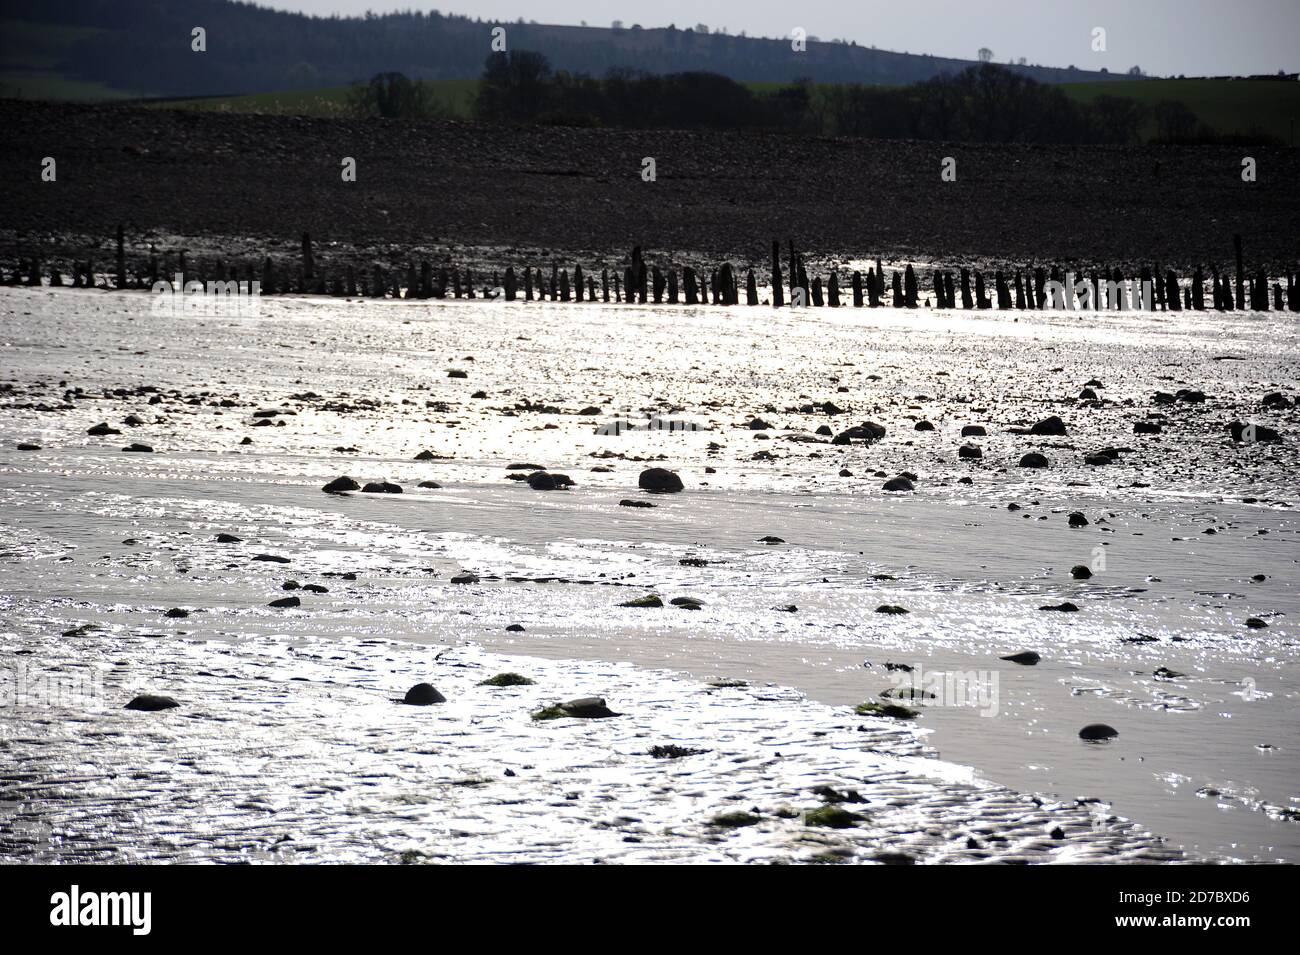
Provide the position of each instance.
(89, 48)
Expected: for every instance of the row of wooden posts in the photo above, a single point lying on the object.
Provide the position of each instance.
(639, 283)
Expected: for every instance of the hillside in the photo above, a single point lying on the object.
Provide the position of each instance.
(142, 47)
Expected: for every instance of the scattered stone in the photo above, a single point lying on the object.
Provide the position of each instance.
(1064, 607)
(1077, 519)
(29, 447)
(973, 431)
(432, 485)
(382, 487)
(970, 451)
(285, 602)
(1256, 624)
(891, 609)
(1034, 460)
(1095, 732)
(1146, 427)
(1081, 572)
(1026, 658)
(734, 820)
(229, 539)
(586, 708)
(649, 600)
(177, 613)
(341, 484)
(515, 628)
(687, 603)
(923, 426)
(101, 429)
(673, 751)
(1164, 673)
(465, 578)
(139, 448)
(832, 817)
(1049, 426)
(659, 480)
(271, 558)
(899, 483)
(151, 703)
(769, 539)
(628, 502)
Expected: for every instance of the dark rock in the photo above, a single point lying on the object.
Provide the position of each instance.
(923, 426)
(687, 603)
(973, 431)
(1049, 426)
(659, 480)
(1034, 460)
(1095, 732)
(382, 487)
(29, 447)
(1026, 658)
(649, 600)
(1063, 607)
(1077, 519)
(515, 628)
(891, 609)
(151, 703)
(177, 613)
(432, 485)
(465, 578)
(1146, 427)
(1081, 572)
(228, 539)
(898, 484)
(285, 602)
(970, 451)
(541, 481)
(1256, 624)
(341, 484)
(139, 448)
(101, 429)
(1253, 432)
(586, 708)
(628, 502)
(423, 694)
(769, 539)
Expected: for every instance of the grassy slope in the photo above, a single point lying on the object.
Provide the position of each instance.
(1226, 105)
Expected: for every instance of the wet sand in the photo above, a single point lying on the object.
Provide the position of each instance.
(94, 535)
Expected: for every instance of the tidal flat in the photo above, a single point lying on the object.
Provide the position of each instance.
(153, 572)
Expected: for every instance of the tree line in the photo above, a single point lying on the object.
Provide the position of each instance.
(984, 103)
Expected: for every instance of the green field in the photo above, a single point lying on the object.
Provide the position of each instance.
(1227, 106)
(456, 96)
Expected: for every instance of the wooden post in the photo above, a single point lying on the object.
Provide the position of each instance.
(909, 287)
(121, 258)
(751, 288)
(308, 263)
(672, 286)
(1241, 272)
(777, 288)
(966, 301)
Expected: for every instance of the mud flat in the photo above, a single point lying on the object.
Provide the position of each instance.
(236, 186)
(126, 572)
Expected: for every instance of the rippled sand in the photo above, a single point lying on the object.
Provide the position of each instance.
(287, 728)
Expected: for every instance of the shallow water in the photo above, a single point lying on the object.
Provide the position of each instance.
(1204, 759)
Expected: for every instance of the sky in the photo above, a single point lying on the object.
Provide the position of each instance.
(1164, 37)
